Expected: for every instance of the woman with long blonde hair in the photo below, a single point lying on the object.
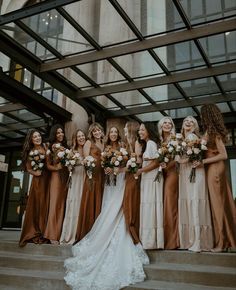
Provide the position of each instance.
(221, 198)
(91, 201)
(195, 227)
(166, 130)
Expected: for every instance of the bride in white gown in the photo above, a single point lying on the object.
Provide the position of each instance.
(106, 258)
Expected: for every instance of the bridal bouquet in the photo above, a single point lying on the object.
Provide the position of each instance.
(195, 150)
(163, 156)
(132, 165)
(113, 158)
(37, 160)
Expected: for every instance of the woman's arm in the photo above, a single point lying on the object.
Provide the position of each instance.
(222, 155)
(51, 167)
(31, 171)
(86, 148)
(152, 165)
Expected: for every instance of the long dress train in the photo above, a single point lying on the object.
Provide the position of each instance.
(106, 258)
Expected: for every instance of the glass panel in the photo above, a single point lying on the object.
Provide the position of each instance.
(233, 176)
(152, 16)
(154, 116)
(4, 62)
(228, 82)
(234, 105)
(205, 10)
(72, 76)
(58, 32)
(180, 56)
(163, 93)
(223, 107)
(6, 120)
(181, 113)
(105, 102)
(101, 72)
(199, 87)
(220, 47)
(98, 18)
(3, 101)
(130, 98)
(25, 115)
(138, 64)
(29, 43)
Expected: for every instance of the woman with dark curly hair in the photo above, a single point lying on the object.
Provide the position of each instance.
(222, 204)
(151, 192)
(33, 161)
(58, 184)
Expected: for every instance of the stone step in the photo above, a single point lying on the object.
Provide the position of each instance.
(195, 274)
(14, 278)
(162, 285)
(31, 262)
(35, 249)
(187, 257)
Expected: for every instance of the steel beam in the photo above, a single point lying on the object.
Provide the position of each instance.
(31, 99)
(11, 107)
(159, 81)
(13, 127)
(33, 10)
(174, 104)
(158, 41)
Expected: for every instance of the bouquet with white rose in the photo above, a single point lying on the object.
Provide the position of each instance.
(89, 164)
(163, 156)
(37, 160)
(72, 159)
(59, 153)
(195, 150)
(132, 164)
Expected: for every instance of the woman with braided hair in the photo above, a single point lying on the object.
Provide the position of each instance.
(221, 199)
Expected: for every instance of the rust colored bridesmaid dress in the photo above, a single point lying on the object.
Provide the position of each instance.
(36, 211)
(57, 202)
(222, 203)
(91, 201)
(170, 192)
(131, 205)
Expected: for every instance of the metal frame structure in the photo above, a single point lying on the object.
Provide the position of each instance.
(87, 96)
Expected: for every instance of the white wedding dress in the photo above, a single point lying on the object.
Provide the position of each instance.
(106, 258)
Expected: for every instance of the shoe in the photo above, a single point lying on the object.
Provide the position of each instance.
(217, 250)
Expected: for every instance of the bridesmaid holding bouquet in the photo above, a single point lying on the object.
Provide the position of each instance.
(58, 183)
(166, 130)
(33, 161)
(91, 201)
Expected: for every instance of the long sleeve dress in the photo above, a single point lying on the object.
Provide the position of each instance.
(106, 258)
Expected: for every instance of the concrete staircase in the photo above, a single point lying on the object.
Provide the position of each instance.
(37, 267)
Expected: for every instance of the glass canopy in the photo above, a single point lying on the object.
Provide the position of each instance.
(140, 59)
